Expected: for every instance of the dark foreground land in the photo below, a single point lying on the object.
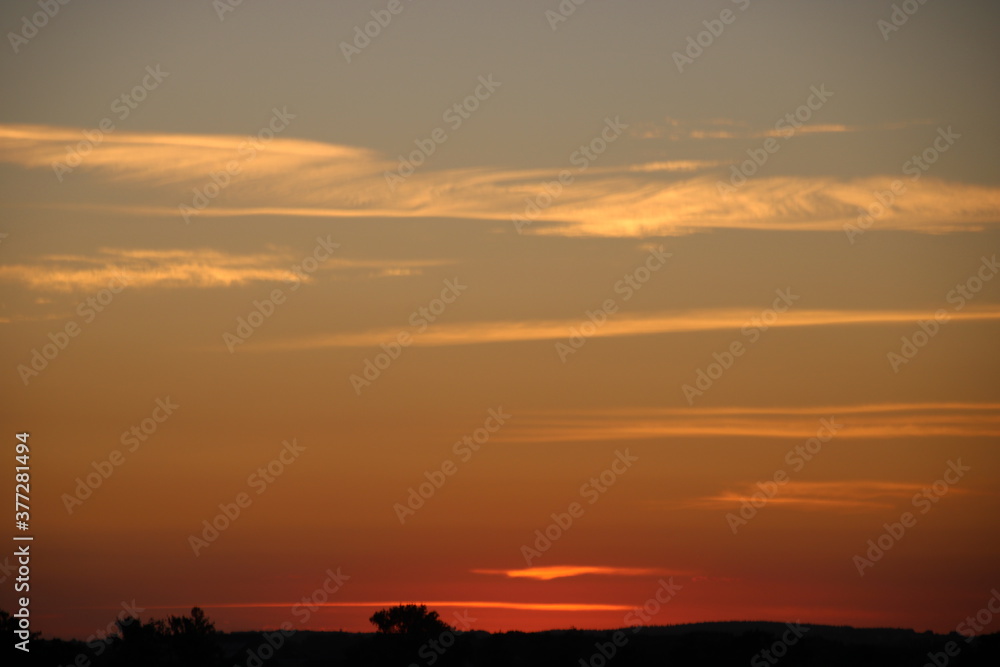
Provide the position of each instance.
(757, 644)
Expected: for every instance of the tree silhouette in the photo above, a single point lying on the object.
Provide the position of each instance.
(194, 626)
(176, 640)
(8, 624)
(408, 619)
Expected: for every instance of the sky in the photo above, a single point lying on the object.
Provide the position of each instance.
(537, 316)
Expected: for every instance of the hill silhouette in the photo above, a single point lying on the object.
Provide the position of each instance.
(411, 635)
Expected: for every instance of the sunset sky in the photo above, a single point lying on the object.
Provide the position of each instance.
(405, 298)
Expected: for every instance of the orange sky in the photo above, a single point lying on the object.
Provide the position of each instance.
(514, 320)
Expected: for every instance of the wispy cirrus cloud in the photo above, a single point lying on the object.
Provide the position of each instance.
(164, 158)
(143, 268)
(294, 178)
(675, 129)
(840, 495)
(512, 331)
(678, 165)
(876, 421)
(563, 571)
(187, 269)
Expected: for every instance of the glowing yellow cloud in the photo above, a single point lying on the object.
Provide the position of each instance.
(561, 571)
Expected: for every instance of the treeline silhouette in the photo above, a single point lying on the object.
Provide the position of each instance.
(410, 635)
